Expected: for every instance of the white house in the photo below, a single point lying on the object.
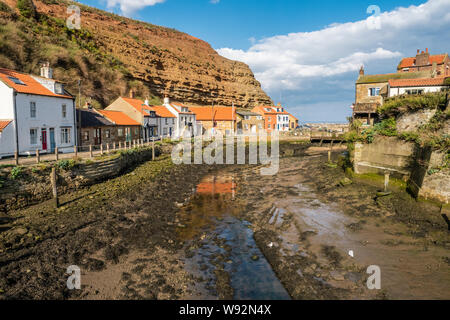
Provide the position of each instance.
(186, 122)
(41, 113)
(416, 86)
(167, 121)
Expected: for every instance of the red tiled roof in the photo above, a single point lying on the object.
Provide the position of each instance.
(273, 110)
(162, 112)
(216, 113)
(119, 118)
(422, 82)
(410, 62)
(30, 85)
(4, 124)
(139, 105)
(179, 106)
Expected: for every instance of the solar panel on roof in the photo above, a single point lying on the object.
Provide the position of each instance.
(17, 81)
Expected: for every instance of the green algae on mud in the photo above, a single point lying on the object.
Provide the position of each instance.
(99, 228)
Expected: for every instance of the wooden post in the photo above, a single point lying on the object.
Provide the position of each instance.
(332, 142)
(114, 146)
(107, 148)
(16, 158)
(153, 148)
(91, 155)
(38, 158)
(75, 150)
(54, 186)
(56, 154)
(120, 145)
(101, 149)
(386, 181)
(329, 156)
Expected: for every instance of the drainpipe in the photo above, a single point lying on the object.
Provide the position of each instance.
(15, 121)
(75, 122)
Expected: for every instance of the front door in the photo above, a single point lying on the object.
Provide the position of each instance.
(52, 140)
(98, 136)
(44, 139)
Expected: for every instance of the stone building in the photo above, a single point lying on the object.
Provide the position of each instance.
(127, 129)
(94, 129)
(213, 119)
(249, 122)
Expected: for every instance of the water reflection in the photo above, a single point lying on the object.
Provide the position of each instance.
(213, 200)
(226, 241)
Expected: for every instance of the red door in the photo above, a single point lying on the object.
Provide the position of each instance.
(44, 139)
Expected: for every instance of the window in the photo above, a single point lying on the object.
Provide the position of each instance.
(246, 126)
(120, 132)
(260, 126)
(33, 136)
(167, 121)
(373, 92)
(173, 120)
(65, 135)
(17, 81)
(270, 120)
(32, 109)
(165, 131)
(108, 134)
(415, 91)
(269, 126)
(86, 135)
(64, 111)
(136, 131)
(247, 117)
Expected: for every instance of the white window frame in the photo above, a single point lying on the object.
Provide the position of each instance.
(66, 135)
(64, 111)
(35, 141)
(33, 110)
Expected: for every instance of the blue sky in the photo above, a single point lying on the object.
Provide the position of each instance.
(305, 53)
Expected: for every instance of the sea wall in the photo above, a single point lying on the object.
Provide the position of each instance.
(418, 166)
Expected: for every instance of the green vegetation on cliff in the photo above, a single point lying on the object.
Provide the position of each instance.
(433, 133)
(27, 39)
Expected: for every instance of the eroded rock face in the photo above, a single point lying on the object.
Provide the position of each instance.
(169, 61)
(411, 121)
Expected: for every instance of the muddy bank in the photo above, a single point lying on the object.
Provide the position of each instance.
(120, 233)
(310, 216)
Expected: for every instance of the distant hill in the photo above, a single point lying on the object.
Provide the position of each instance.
(112, 54)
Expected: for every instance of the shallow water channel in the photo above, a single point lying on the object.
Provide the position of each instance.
(220, 243)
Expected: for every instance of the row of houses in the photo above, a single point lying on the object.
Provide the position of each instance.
(424, 73)
(37, 113)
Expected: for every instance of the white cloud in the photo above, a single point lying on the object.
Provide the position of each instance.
(128, 7)
(296, 60)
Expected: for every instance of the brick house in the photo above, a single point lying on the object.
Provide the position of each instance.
(437, 65)
(249, 122)
(275, 118)
(94, 129)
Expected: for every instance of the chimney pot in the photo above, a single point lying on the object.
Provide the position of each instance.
(131, 94)
(427, 50)
(46, 71)
(166, 99)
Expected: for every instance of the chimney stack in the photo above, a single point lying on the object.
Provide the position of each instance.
(418, 51)
(361, 71)
(166, 99)
(46, 71)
